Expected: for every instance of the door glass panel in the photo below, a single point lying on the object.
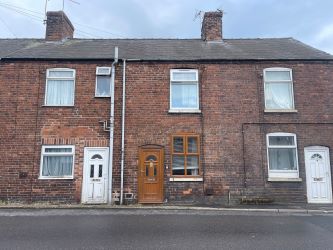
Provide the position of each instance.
(100, 171)
(155, 170)
(316, 157)
(151, 158)
(97, 156)
(147, 170)
(92, 171)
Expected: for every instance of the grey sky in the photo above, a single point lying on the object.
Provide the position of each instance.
(310, 21)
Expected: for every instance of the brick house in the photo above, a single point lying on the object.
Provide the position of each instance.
(208, 120)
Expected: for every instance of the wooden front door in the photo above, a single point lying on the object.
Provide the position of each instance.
(150, 174)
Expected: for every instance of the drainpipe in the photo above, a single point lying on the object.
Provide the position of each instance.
(112, 123)
(123, 134)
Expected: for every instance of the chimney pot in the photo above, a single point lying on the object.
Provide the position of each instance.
(211, 29)
(58, 26)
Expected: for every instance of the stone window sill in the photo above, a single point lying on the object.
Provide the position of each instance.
(280, 111)
(181, 179)
(188, 111)
(276, 179)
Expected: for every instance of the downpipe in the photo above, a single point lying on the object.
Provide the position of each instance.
(112, 83)
(123, 134)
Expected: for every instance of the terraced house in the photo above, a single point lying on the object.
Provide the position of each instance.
(207, 120)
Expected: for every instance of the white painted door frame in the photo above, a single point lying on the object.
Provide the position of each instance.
(313, 183)
(88, 181)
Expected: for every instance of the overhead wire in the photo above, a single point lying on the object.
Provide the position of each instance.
(7, 27)
(39, 16)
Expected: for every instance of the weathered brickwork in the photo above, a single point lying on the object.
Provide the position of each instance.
(232, 126)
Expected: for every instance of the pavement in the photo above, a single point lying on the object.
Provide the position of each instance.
(276, 209)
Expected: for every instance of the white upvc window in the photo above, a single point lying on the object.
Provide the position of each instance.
(279, 94)
(282, 155)
(60, 87)
(57, 162)
(103, 82)
(184, 90)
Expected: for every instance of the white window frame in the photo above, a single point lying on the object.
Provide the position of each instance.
(43, 153)
(196, 81)
(282, 173)
(279, 69)
(48, 77)
(102, 74)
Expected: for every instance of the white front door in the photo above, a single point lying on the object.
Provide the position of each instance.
(95, 175)
(318, 174)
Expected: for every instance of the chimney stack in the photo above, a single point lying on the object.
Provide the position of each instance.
(58, 26)
(211, 29)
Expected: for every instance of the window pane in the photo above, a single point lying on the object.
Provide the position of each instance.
(282, 159)
(60, 92)
(178, 163)
(278, 95)
(178, 145)
(277, 76)
(192, 167)
(58, 150)
(57, 166)
(184, 76)
(192, 145)
(184, 96)
(281, 140)
(61, 73)
(103, 86)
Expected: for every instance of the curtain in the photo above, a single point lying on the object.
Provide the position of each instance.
(57, 165)
(60, 92)
(282, 159)
(192, 165)
(103, 86)
(278, 96)
(184, 96)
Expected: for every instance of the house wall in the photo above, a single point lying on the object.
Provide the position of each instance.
(231, 94)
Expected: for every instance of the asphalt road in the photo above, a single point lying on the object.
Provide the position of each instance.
(152, 229)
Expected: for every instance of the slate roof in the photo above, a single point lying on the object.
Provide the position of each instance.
(162, 49)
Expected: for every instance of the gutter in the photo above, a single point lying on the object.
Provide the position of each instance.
(112, 124)
(195, 60)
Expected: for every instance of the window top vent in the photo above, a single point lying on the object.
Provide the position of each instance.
(104, 71)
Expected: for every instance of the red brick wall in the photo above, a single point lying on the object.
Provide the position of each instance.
(230, 94)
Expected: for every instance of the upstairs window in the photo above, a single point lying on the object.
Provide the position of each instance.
(60, 84)
(278, 89)
(282, 155)
(184, 90)
(103, 82)
(185, 155)
(57, 162)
